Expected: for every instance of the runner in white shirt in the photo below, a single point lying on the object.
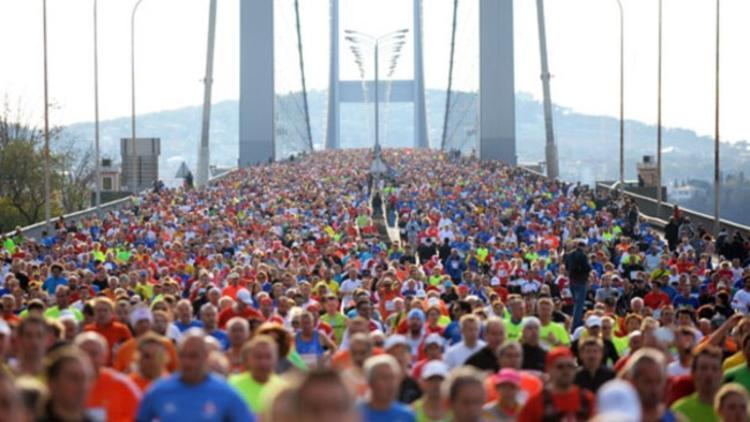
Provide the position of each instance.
(741, 300)
(348, 286)
(457, 354)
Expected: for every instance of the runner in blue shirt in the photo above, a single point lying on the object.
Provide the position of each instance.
(193, 393)
(383, 375)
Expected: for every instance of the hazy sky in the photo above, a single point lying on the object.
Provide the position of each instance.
(582, 38)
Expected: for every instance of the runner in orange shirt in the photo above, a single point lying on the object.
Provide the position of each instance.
(105, 325)
(113, 396)
(151, 361)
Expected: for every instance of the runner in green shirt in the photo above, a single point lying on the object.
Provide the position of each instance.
(551, 333)
(513, 322)
(259, 356)
(706, 371)
(431, 406)
(693, 409)
(334, 318)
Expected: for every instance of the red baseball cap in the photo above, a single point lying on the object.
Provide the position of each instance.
(557, 353)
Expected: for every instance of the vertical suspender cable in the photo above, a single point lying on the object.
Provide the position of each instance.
(450, 76)
(302, 72)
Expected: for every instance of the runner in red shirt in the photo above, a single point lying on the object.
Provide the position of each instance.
(241, 308)
(560, 400)
(656, 298)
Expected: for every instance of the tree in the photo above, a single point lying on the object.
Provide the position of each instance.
(76, 167)
(22, 179)
(22, 167)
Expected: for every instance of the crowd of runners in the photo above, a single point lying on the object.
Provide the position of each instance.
(273, 294)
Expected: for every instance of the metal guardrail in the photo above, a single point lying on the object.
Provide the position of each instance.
(34, 231)
(659, 216)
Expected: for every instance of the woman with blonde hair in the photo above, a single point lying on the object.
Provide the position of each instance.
(731, 403)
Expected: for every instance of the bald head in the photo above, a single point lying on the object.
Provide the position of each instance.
(95, 346)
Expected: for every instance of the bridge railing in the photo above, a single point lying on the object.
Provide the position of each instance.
(34, 231)
(658, 217)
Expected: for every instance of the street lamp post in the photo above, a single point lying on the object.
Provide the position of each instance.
(622, 97)
(134, 164)
(393, 39)
(377, 98)
(658, 122)
(97, 171)
(47, 205)
(717, 173)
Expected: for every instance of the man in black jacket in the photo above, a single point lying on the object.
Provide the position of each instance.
(578, 267)
(592, 374)
(487, 358)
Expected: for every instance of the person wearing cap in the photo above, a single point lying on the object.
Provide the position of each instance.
(494, 335)
(142, 321)
(384, 374)
(592, 373)
(457, 354)
(415, 333)
(617, 400)
(507, 382)
(432, 349)
(533, 354)
(431, 406)
(560, 399)
(594, 329)
(397, 346)
(242, 307)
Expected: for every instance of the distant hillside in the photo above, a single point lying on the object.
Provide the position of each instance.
(588, 145)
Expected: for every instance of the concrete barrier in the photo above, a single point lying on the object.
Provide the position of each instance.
(650, 212)
(659, 216)
(34, 231)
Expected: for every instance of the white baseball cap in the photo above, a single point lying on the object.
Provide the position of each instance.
(395, 340)
(244, 296)
(593, 321)
(434, 368)
(618, 399)
(434, 338)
